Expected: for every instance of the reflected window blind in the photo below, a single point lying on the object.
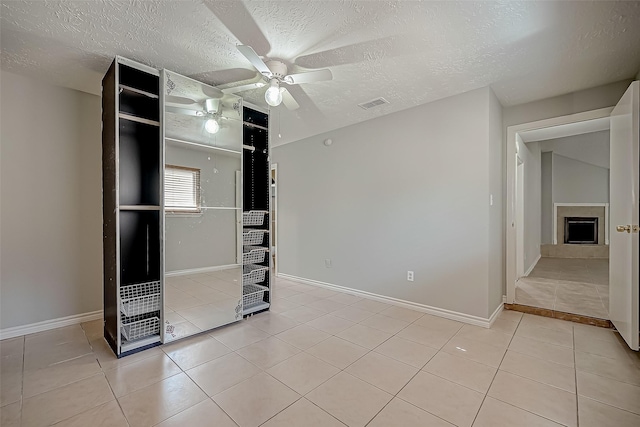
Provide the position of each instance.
(181, 189)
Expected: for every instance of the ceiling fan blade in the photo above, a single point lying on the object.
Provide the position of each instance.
(184, 111)
(179, 100)
(308, 77)
(242, 88)
(212, 92)
(255, 60)
(288, 100)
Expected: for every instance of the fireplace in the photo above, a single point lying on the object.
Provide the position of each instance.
(581, 230)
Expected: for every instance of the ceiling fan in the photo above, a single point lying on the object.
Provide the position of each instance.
(274, 73)
(209, 110)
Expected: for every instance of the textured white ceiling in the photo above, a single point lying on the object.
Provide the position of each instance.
(410, 52)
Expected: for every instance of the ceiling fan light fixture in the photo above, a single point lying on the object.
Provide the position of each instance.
(212, 126)
(273, 95)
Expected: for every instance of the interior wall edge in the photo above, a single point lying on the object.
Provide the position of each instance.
(46, 325)
(435, 311)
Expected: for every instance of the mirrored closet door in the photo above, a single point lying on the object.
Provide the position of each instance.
(202, 207)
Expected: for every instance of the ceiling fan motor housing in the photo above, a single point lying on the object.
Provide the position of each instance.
(278, 69)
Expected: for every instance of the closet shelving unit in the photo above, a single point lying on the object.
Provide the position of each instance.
(256, 262)
(132, 206)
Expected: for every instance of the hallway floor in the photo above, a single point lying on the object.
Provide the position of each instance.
(326, 359)
(570, 285)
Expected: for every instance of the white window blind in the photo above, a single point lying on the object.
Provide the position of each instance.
(181, 189)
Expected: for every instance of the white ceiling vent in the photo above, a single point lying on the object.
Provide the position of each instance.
(373, 103)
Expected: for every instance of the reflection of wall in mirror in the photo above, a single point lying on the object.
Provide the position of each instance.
(196, 241)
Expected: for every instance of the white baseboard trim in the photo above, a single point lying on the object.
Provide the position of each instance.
(504, 299)
(448, 314)
(46, 325)
(495, 314)
(532, 266)
(200, 270)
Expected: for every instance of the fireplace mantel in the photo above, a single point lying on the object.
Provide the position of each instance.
(606, 218)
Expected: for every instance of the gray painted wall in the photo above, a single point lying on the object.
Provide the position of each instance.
(51, 211)
(496, 221)
(546, 213)
(578, 182)
(408, 191)
(207, 239)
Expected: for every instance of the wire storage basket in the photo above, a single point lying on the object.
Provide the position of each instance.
(141, 328)
(253, 254)
(253, 218)
(253, 237)
(253, 294)
(253, 274)
(140, 298)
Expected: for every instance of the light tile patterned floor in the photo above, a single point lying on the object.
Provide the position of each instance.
(338, 360)
(570, 285)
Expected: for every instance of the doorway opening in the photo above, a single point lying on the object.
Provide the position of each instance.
(559, 191)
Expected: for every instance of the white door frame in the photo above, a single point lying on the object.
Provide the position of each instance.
(512, 193)
(274, 208)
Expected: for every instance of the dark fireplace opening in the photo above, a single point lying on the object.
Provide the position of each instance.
(580, 231)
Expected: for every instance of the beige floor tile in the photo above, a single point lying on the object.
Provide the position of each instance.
(449, 401)
(279, 292)
(546, 322)
(595, 414)
(406, 351)
(65, 402)
(337, 352)
(303, 336)
(371, 305)
(280, 305)
(330, 324)
(326, 305)
(505, 326)
(432, 337)
(459, 370)
(132, 377)
(303, 314)
(608, 349)
(108, 360)
(591, 309)
(269, 352)
(524, 299)
(350, 400)
(548, 402)
(588, 332)
(539, 370)
(93, 330)
(385, 324)
(41, 356)
(106, 415)
(219, 374)
(272, 323)
(254, 401)
(10, 415)
(399, 413)
(205, 413)
(302, 299)
(54, 338)
(303, 372)
(494, 413)
(191, 352)
(303, 413)
(487, 336)
(402, 313)
(550, 336)
(475, 350)
(364, 336)
(239, 335)
(611, 392)
(345, 299)
(322, 293)
(605, 367)
(511, 315)
(10, 388)
(383, 372)
(353, 314)
(541, 350)
(159, 401)
(12, 346)
(42, 380)
(439, 323)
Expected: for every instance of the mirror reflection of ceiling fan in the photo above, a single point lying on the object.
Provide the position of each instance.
(209, 110)
(274, 73)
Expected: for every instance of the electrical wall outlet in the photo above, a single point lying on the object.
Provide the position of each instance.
(410, 276)
(327, 262)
